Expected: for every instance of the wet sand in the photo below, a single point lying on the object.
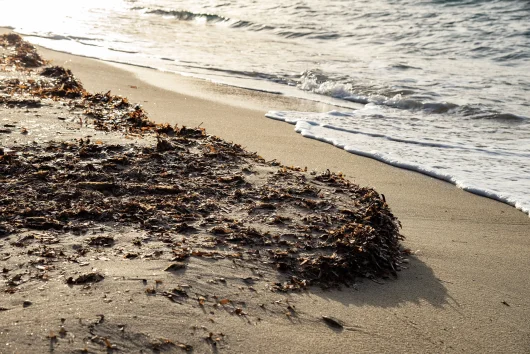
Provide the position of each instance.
(465, 290)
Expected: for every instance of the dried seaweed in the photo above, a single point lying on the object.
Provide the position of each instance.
(92, 277)
(329, 243)
(24, 55)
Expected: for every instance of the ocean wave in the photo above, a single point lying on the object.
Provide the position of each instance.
(94, 41)
(123, 51)
(479, 112)
(456, 171)
(459, 2)
(291, 33)
(319, 83)
(512, 56)
(404, 67)
(316, 81)
(294, 118)
(184, 15)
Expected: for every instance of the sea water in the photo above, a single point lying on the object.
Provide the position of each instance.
(441, 86)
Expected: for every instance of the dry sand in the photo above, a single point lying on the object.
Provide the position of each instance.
(466, 290)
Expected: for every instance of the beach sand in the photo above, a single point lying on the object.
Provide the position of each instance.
(466, 288)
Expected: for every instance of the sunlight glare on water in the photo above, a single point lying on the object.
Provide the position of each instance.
(59, 17)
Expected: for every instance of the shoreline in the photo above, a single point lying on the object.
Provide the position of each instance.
(222, 97)
(465, 290)
(262, 101)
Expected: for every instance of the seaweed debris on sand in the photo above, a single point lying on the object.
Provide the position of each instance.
(88, 178)
(316, 228)
(21, 54)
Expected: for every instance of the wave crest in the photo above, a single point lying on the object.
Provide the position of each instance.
(184, 15)
(318, 82)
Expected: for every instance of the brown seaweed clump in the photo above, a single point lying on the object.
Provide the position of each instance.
(316, 229)
(64, 84)
(108, 112)
(54, 82)
(23, 55)
(115, 113)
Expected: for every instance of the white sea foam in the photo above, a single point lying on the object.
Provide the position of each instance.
(500, 172)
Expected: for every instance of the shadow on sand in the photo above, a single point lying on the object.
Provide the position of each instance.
(417, 285)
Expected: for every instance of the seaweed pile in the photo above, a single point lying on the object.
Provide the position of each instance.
(197, 194)
(317, 228)
(109, 112)
(23, 55)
